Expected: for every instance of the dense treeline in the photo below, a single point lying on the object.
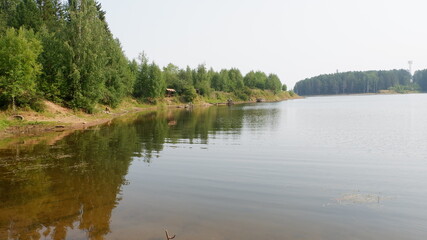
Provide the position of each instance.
(65, 52)
(353, 82)
(420, 78)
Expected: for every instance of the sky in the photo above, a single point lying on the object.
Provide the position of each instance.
(295, 39)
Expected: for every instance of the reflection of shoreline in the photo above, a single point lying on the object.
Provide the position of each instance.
(74, 183)
(54, 125)
(35, 131)
(31, 135)
(49, 138)
(69, 182)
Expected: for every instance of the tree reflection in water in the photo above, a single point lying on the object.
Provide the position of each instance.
(72, 186)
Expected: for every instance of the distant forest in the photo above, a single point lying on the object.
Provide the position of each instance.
(64, 51)
(362, 82)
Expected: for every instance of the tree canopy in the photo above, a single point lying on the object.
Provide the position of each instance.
(420, 78)
(19, 68)
(352, 82)
(64, 51)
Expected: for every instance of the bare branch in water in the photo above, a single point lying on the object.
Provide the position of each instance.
(169, 237)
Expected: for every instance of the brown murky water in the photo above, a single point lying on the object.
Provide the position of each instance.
(347, 167)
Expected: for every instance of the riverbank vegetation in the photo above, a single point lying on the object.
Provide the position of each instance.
(392, 81)
(64, 52)
(420, 78)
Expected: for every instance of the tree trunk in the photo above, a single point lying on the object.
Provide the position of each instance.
(13, 104)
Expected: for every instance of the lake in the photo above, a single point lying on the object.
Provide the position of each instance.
(333, 167)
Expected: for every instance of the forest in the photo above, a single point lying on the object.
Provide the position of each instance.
(64, 51)
(363, 82)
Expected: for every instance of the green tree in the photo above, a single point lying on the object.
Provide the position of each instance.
(142, 76)
(250, 79)
(420, 78)
(156, 84)
(284, 87)
(51, 12)
(273, 83)
(27, 14)
(353, 82)
(119, 79)
(189, 94)
(186, 75)
(7, 13)
(86, 38)
(201, 80)
(235, 80)
(150, 83)
(223, 81)
(19, 68)
(174, 79)
(216, 81)
(255, 80)
(52, 83)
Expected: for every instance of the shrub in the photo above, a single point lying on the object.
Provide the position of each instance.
(189, 94)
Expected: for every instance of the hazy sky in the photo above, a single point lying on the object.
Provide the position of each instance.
(295, 39)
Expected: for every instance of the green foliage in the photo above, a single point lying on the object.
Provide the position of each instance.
(420, 78)
(186, 75)
(273, 83)
(4, 124)
(37, 105)
(250, 79)
(142, 75)
(236, 80)
(3, 22)
(201, 80)
(255, 79)
(204, 88)
(156, 83)
(284, 87)
(352, 82)
(27, 15)
(86, 37)
(189, 94)
(175, 78)
(220, 81)
(412, 87)
(81, 63)
(119, 79)
(243, 94)
(224, 82)
(55, 57)
(19, 68)
(51, 12)
(150, 83)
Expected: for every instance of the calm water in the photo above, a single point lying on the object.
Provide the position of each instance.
(345, 167)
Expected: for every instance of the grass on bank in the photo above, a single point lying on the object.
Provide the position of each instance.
(403, 89)
(252, 96)
(50, 112)
(7, 121)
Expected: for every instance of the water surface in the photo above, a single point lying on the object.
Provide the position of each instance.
(341, 167)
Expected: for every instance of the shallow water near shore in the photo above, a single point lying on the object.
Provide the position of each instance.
(333, 167)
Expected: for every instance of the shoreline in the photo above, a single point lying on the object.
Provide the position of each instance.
(361, 94)
(36, 126)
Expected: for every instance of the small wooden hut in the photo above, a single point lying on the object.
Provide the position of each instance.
(170, 92)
